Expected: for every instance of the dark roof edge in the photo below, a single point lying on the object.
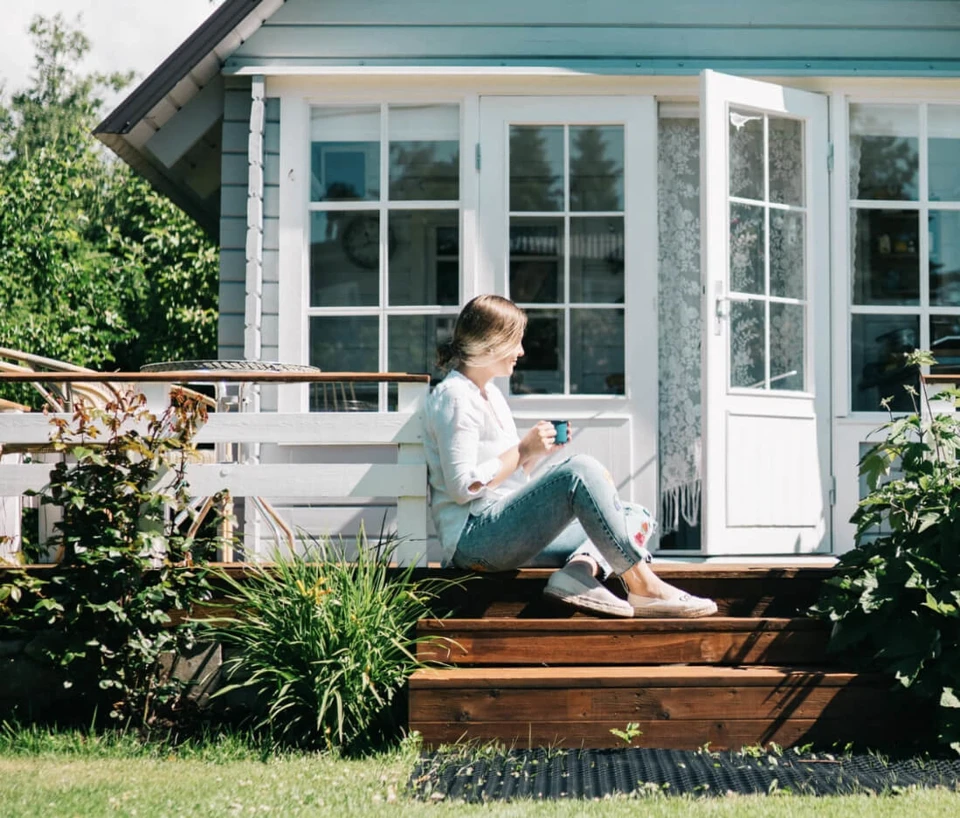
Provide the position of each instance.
(174, 68)
(177, 193)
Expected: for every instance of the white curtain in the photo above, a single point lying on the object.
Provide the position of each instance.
(679, 320)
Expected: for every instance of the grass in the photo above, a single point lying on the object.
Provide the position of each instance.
(81, 774)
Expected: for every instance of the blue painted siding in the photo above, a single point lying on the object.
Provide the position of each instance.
(678, 36)
(233, 222)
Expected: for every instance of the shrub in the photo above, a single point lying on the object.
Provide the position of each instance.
(895, 599)
(325, 643)
(102, 614)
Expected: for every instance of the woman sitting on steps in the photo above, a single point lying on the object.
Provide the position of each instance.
(491, 516)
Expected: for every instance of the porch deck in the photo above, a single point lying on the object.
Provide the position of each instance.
(516, 669)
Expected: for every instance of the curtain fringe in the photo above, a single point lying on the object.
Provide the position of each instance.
(680, 502)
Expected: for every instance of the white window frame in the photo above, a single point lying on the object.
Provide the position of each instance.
(295, 311)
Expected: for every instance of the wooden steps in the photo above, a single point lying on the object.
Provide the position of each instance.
(673, 707)
(520, 671)
(716, 640)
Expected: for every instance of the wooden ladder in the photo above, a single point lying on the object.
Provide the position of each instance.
(523, 672)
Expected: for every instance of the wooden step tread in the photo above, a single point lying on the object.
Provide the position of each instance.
(592, 641)
(609, 625)
(650, 676)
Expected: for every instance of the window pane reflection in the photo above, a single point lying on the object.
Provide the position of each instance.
(787, 338)
(344, 259)
(536, 167)
(746, 154)
(596, 168)
(344, 344)
(786, 160)
(787, 253)
(596, 352)
(412, 341)
(943, 150)
(884, 152)
(879, 344)
(886, 259)
(424, 262)
(540, 370)
(945, 344)
(596, 260)
(747, 340)
(536, 260)
(746, 249)
(424, 152)
(944, 227)
(345, 154)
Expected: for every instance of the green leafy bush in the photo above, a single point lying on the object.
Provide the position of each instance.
(895, 599)
(102, 614)
(325, 643)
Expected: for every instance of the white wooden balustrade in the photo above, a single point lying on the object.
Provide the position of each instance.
(405, 480)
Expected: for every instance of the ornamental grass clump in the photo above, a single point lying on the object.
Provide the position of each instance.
(895, 599)
(326, 643)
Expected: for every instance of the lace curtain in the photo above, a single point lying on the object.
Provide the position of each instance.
(679, 321)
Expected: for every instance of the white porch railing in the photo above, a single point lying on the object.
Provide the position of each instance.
(315, 482)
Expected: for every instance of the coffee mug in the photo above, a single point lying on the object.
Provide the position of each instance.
(561, 427)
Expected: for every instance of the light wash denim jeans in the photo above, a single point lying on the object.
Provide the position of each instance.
(570, 509)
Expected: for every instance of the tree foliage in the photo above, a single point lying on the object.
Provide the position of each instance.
(95, 267)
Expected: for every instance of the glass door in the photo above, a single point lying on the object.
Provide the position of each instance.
(568, 233)
(766, 318)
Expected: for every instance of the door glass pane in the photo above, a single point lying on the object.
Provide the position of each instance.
(944, 227)
(596, 260)
(945, 344)
(424, 152)
(596, 352)
(747, 344)
(746, 154)
(344, 258)
(787, 269)
(886, 260)
(746, 249)
(879, 344)
(786, 160)
(536, 260)
(424, 257)
(540, 370)
(596, 168)
(345, 154)
(536, 167)
(884, 152)
(344, 344)
(787, 344)
(943, 148)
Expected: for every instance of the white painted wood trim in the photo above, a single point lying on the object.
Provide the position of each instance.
(309, 481)
(253, 295)
(294, 251)
(412, 510)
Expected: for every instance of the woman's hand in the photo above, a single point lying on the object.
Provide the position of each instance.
(538, 442)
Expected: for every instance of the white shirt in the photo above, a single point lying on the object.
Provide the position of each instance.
(466, 432)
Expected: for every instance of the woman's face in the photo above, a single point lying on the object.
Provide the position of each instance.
(504, 367)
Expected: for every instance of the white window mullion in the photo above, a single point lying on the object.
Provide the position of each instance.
(766, 251)
(567, 362)
(923, 236)
(384, 243)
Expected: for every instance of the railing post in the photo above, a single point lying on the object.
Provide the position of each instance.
(412, 511)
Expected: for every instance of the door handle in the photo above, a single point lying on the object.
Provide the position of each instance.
(721, 308)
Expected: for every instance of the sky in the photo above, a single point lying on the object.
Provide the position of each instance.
(124, 34)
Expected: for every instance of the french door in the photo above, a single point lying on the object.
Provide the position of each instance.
(568, 230)
(766, 331)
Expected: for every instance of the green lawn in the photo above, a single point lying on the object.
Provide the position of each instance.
(81, 776)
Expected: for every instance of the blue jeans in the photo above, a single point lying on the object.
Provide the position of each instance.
(569, 510)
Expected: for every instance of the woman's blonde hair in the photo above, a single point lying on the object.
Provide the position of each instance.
(488, 328)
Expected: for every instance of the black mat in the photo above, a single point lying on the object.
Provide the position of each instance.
(479, 774)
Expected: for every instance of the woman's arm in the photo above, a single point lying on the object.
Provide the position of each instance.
(535, 445)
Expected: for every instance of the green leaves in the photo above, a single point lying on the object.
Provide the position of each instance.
(325, 641)
(895, 599)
